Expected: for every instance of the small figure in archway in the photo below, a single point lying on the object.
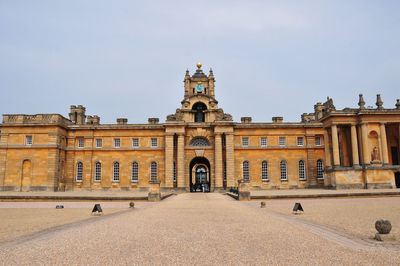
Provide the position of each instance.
(375, 155)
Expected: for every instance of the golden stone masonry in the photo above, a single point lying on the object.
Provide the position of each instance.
(200, 148)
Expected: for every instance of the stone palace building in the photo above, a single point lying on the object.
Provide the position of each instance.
(200, 144)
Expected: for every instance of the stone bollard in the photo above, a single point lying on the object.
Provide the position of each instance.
(383, 227)
(262, 204)
(243, 190)
(131, 204)
(154, 191)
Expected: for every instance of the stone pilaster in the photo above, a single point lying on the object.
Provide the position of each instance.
(3, 159)
(328, 162)
(169, 161)
(365, 148)
(230, 163)
(385, 156)
(181, 180)
(218, 162)
(354, 145)
(335, 146)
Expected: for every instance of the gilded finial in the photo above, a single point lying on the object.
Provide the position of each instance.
(199, 65)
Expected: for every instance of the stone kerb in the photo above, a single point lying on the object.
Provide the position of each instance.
(244, 190)
(154, 190)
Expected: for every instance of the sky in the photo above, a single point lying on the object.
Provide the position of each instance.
(128, 58)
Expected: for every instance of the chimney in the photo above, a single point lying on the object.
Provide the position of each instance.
(122, 121)
(277, 119)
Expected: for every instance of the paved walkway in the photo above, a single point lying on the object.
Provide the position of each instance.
(190, 229)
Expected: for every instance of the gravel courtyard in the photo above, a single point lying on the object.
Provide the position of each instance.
(204, 229)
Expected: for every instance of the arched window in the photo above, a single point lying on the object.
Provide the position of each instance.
(264, 170)
(199, 108)
(97, 171)
(302, 170)
(153, 171)
(283, 170)
(199, 142)
(116, 172)
(246, 171)
(79, 171)
(135, 172)
(320, 169)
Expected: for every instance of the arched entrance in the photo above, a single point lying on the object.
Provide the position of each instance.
(199, 109)
(200, 175)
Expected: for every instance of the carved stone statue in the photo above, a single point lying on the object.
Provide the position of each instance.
(375, 154)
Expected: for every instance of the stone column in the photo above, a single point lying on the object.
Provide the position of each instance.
(328, 162)
(169, 161)
(230, 162)
(181, 162)
(385, 156)
(365, 148)
(354, 145)
(218, 161)
(335, 146)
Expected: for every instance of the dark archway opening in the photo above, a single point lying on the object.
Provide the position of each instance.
(200, 175)
(199, 109)
(397, 179)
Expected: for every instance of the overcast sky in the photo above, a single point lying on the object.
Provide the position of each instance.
(128, 58)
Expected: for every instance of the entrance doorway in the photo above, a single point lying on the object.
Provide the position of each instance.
(397, 179)
(200, 176)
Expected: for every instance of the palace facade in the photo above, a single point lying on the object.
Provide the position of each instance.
(201, 145)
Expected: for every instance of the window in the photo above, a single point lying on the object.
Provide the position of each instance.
(175, 172)
(300, 141)
(225, 171)
(154, 142)
(99, 143)
(28, 140)
(282, 141)
(117, 143)
(79, 171)
(302, 170)
(80, 143)
(153, 171)
(245, 142)
(318, 141)
(135, 142)
(199, 142)
(246, 171)
(264, 142)
(175, 141)
(320, 169)
(116, 172)
(97, 171)
(223, 141)
(135, 172)
(283, 170)
(264, 171)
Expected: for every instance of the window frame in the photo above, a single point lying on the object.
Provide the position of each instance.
(320, 169)
(153, 171)
(282, 141)
(302, 170)
(284, 172)
(135, 172)
(30, 142)
(137, 142)
(174, 173)
(117, 140)
(154, 142)
(245, 141)
(246, 170)
(318, 141)
(79, 172)
(264, 171)
(99, 141)
(81, 143)
(115, 172)
(97, 172)
(264, 139)
(300, 141)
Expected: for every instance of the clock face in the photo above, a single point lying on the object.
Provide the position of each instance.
(199, 87)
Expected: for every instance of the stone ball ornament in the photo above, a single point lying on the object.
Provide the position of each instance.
(383, 226)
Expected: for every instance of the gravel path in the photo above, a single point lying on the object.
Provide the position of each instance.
(190, 229)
